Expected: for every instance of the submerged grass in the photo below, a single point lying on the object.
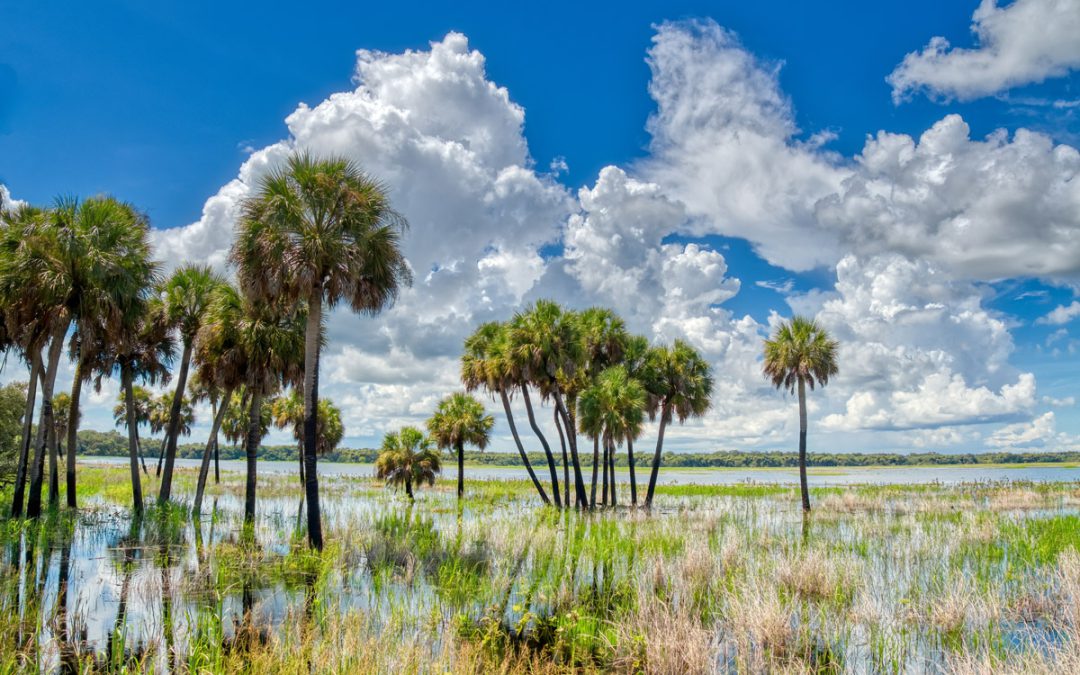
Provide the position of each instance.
(977, 577)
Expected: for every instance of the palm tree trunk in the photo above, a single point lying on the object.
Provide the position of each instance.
(408, 489)
(37, 470)
(802, 447)
(28, 429)
(571, 437)
(665, 417)
(633, 478)
(142, 456)
(596, 462)
(133, 442)
(217, 461)
(312, 337)
(543, 441)
(460, 470)
(73, 427)
(204, 466)
(565, 459)
(596, 467)
(214, 436)
(54, 466)
(252, 451)
(520, 447)
(611, 464)
(173, 430)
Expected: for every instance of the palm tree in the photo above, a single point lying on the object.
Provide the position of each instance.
(548, 348)
(263, 345)
(186, 296)
(460, 420)
(488, 363)
(635, 360)
(142, 350)
(613, 410)
(106, 252)
(603, 335)
(406, 458)
(679, 384)
(800, 353)
(201, 390)
(287, 412)
(333, 236)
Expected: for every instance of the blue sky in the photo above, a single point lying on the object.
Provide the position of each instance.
(162, 103)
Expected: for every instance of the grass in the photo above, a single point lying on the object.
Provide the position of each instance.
(975, 577)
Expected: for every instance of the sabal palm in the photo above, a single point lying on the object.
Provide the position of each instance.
(603, 338)
(460, 420)
(407, 458)
(613, 410)
(679, 384)
(187, 295)
(800, 353)
(334, 237)
(488, 363)
(549, 352)
(264, 344)
(287, 412)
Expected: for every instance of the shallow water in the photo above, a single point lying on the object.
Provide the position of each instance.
(668, 476)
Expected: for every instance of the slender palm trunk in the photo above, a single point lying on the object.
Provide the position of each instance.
(408, 489)
(54, 466)
(633, 478)
(133, 441)
(73, 428)
(596, 467)
(173, 430)
(204, 466)
(460, 470)
(142, 456)
(37, 470)
(597, 460)
(571, 437)
(543, 441)
(802, 447)
(520, 447)
(665, 418)
(214, 403)
(565, 459)
(252, 451)
(28, 430)
(312, 336)
(611, 466)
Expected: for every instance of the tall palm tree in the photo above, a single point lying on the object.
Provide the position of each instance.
(333, 236)
(635, 360)
(546, 344)
(679, 385)
(603, 335)
(460, 420)
(488, 363)
(142, 350)
(406, 457)
(263, 345)
(186, 295)
(800, 353)
(32, 292)
(613, 410)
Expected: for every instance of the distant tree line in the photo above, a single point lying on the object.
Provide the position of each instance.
(113, 444)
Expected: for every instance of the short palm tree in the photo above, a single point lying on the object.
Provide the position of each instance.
(407, 458)
(613, 410)
(287, 412)
(332, 236)
(679, 384)
(460, 420)
(186, 294)
(800, 353)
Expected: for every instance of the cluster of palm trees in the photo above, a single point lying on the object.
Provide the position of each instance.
(81, 275)
(602, 382)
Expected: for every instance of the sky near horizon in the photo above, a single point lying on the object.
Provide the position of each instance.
(907, 174)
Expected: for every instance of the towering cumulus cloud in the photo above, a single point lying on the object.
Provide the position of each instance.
(909, 229)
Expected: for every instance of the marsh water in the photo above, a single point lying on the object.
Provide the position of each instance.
(151, 590)
(826, 476)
